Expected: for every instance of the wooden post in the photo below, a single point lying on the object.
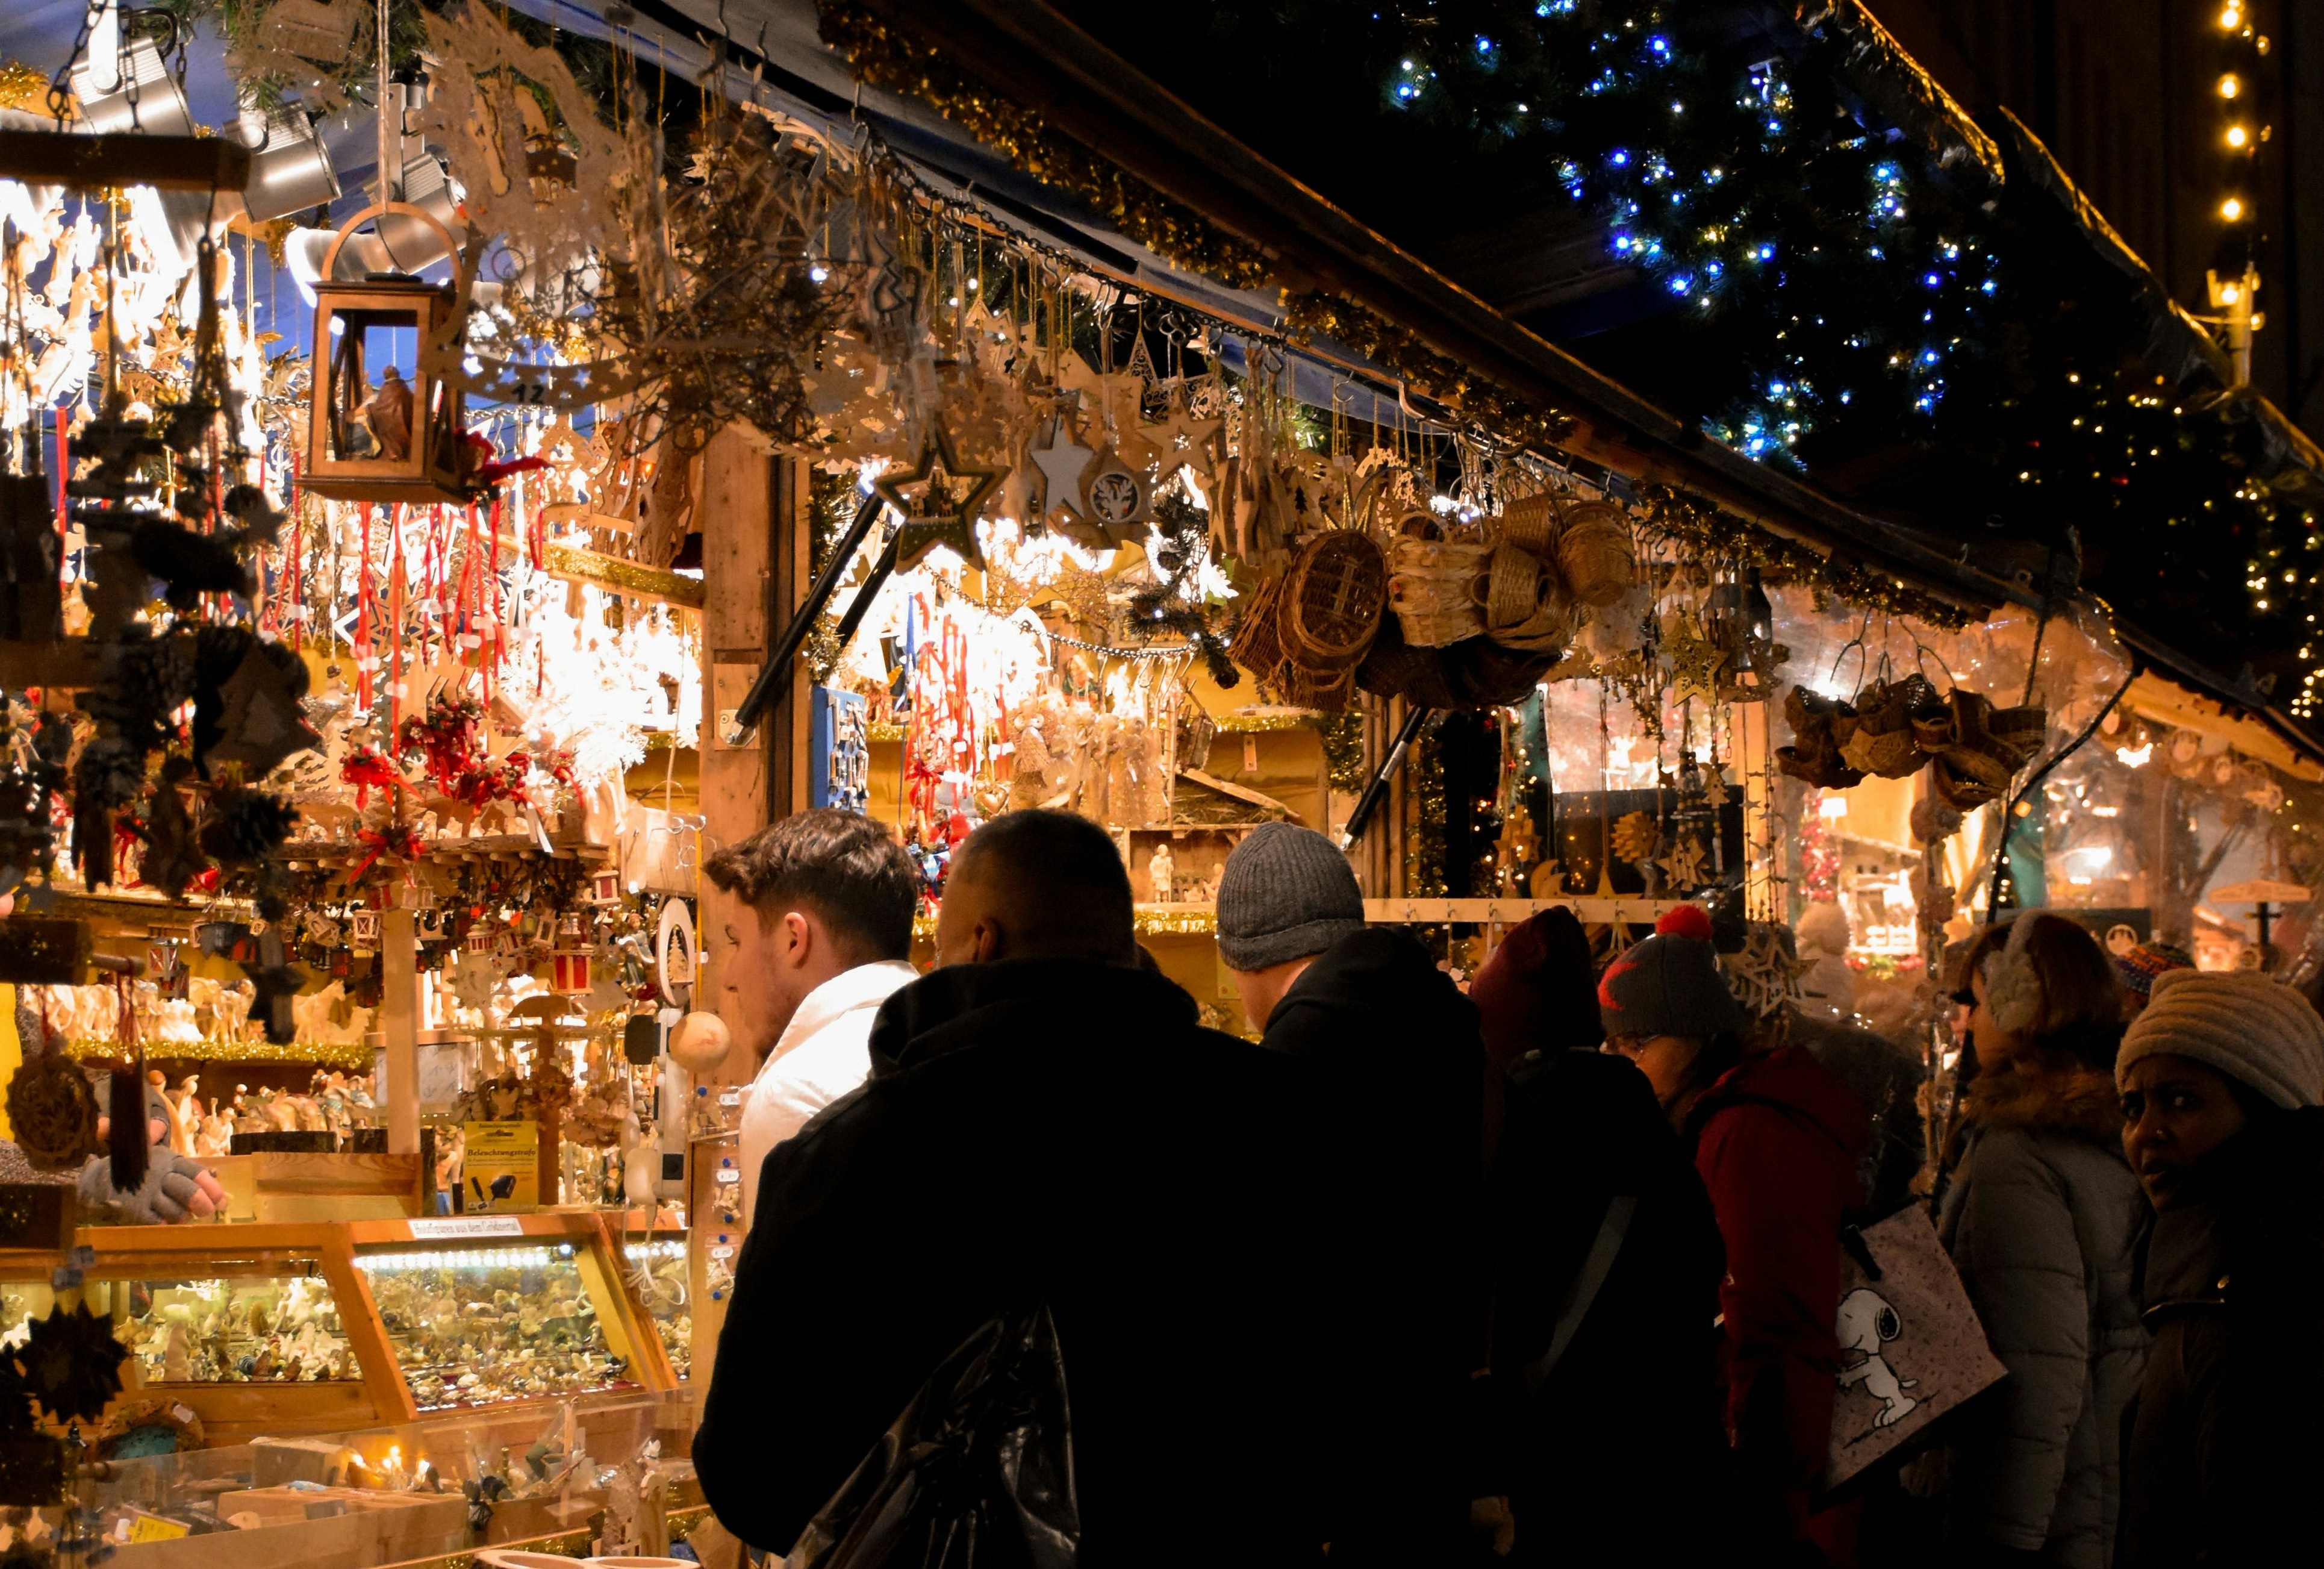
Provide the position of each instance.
(755, 514)
(1754, 760)
(399, 1019)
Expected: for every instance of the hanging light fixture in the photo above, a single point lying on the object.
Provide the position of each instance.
(290, 168)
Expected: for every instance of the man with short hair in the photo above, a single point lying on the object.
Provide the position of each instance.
(1395, 1063)
(833, 894)
(1045, 1123)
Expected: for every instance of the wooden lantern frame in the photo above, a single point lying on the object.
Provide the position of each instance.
(435, 466)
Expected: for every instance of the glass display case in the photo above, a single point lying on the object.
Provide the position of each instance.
(658, 1274)
(276, 1328)
(476, 1325)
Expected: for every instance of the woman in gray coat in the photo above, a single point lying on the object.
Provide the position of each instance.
(2042, 1215)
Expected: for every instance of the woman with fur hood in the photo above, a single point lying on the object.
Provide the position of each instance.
(2041, 1216)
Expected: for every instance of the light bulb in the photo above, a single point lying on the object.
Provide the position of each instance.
(2232, 17)
(2238, 136)
(2231, 209)
(2230, 85)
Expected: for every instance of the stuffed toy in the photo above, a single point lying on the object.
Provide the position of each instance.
(157, 1186)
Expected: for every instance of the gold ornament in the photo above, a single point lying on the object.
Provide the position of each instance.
(1635, 836)
(943, 511)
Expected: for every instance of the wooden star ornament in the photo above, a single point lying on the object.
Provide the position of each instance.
(939, 498)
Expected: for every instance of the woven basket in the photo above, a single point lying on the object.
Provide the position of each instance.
(1525, 605)
(1258, 645)
(2019, 732)
(1434, 591)
(1330, 606)
(1531, 524)
(1593, 552)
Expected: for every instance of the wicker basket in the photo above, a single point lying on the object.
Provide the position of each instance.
(1258, 645)
(1531, 524)
(1434, 591)
(1593, 552)
(1329, 609)
(1525, 605)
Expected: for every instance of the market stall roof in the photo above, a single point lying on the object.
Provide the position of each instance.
(1034, 55)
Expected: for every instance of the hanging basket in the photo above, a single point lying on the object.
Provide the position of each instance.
(1594, 552)
(1330, 606)
(1532, 524)
(1258, 645)
(1525, 605)
(1434, 591)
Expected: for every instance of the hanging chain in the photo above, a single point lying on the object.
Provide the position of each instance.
(61, 88)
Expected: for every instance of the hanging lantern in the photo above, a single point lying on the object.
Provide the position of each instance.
(363, 928)
(383, 426)
(605, 886)
(568, 962)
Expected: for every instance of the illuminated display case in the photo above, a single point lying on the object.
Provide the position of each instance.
(278, 1328)
(660, 1277)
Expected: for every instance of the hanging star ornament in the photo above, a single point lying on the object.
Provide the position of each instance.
(946, 497)
(1062, 463)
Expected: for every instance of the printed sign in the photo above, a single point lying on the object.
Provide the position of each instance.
(502, 1167)
(467, 1226)
(1911, 1347)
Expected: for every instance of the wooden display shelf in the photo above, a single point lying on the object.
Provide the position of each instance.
(235, 1413)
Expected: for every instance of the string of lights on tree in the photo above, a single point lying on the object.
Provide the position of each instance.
(1853, 290)
(1911, 303)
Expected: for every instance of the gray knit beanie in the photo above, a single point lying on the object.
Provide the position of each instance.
(1287, 894)
(2257, 1030)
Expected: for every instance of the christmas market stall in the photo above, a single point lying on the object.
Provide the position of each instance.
(411, 583)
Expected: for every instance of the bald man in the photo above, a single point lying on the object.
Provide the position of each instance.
(1045, 1123)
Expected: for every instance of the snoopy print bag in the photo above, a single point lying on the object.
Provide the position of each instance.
(1911, 1348)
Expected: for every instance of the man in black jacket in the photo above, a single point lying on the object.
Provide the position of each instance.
(1397, 1068)
(1044, 1122)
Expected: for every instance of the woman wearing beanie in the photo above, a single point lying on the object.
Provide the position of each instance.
(2042, 1215)
(1776, 1139)
(2221, 1076)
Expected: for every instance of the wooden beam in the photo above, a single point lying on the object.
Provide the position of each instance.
(125, 159)
(787, 722)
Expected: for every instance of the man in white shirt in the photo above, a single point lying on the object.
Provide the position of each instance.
(833, 893)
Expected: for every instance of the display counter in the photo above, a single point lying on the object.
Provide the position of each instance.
(274, 1329)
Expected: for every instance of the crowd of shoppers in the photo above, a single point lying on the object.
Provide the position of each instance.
(1548, 1273)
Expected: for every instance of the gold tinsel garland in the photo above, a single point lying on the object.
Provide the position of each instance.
(883, 58)
(346, 1054)
(1710, 531)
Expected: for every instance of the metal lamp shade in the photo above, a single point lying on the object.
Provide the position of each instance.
(290, 168)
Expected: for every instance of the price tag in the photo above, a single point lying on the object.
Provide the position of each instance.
(732, 1097)
(728, 1174)
(722, 1254)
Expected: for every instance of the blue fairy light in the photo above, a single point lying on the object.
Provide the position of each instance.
(1619, 157)
(1659, 45)
(1932, 280)
(1682, 282)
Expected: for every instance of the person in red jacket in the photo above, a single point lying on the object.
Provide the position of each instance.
(1776, 1139)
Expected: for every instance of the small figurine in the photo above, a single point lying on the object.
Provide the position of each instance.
(1161, 871)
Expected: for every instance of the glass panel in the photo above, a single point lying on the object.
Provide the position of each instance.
(248, 1330)
(472, 1325)
(374, 365)
(658, 1271)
